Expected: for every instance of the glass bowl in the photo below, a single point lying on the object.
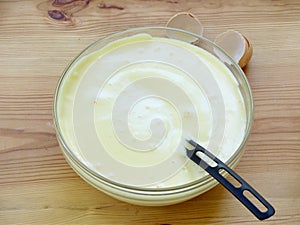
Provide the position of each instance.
(73, 116)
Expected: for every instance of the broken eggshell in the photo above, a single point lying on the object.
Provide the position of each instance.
(185, 21)
(232, 42)
(236, 45)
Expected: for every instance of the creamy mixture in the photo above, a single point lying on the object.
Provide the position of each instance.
(125, 110)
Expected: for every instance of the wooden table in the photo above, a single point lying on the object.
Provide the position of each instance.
(37, 186)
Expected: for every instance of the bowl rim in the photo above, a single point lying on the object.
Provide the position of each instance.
(69, 155)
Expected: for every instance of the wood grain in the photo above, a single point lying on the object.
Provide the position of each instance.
(36, 184)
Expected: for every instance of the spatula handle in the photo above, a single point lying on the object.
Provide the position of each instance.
(238, 192)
